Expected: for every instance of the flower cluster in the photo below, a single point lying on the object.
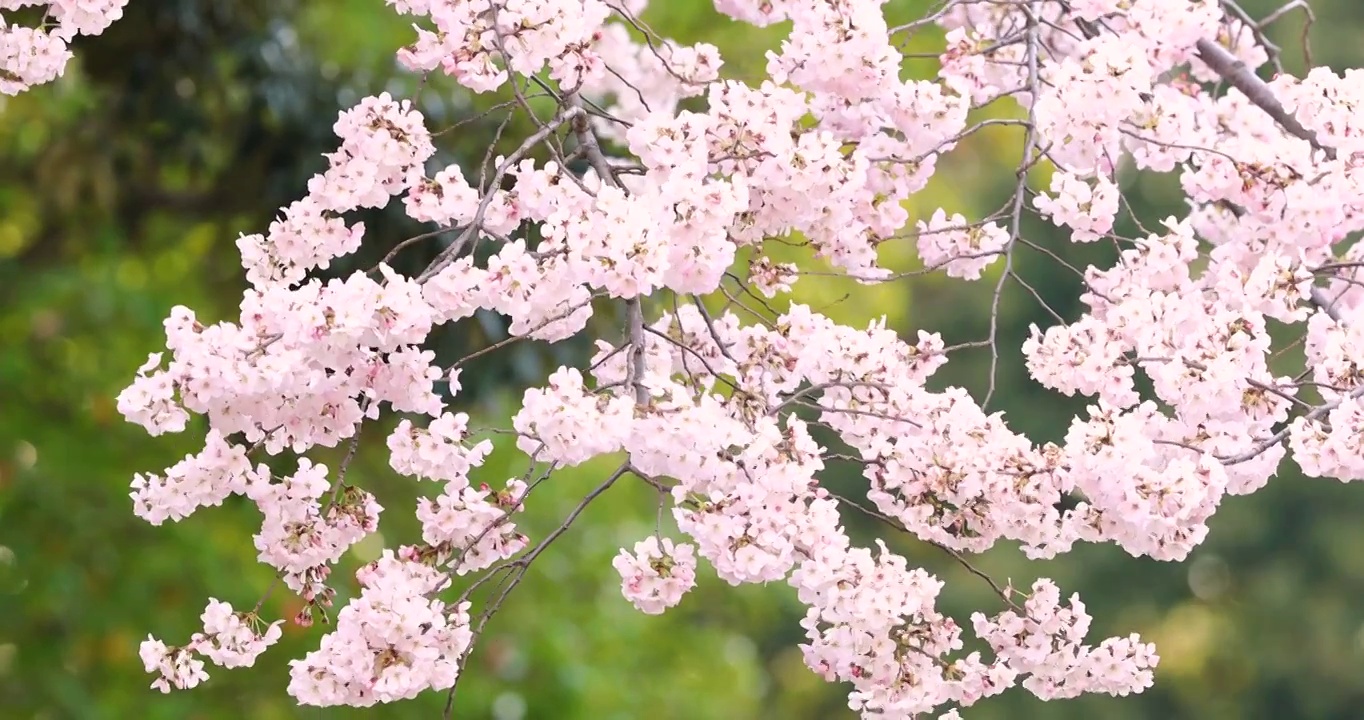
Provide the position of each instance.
(469, 529)
(220, 470)
(33, 56)
(1088, 210)
(1044, 644)
(383, 146)
(436, 452)
(961, 250)
(175, 667)
(657, 575)
(391, 643)
(230, 639)
(479, 43)
(298, 533)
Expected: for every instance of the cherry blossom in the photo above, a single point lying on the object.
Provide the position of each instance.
(233, 639)
(34, 56)
(176, 668)
(658, 197)
(657, 575)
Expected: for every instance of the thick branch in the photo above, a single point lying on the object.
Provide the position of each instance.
(1239, 76)
(587, 142)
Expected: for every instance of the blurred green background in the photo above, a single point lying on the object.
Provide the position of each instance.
(122, 189)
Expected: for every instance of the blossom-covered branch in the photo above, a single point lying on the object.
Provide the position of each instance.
(625, 200)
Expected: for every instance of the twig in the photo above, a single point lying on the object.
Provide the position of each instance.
(522, 565)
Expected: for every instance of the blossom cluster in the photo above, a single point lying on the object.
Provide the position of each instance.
(1044, 642)
(481, 43)
(32, 56)
(230, 639)
(390, 643)
(719, 412)
(657, 575)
